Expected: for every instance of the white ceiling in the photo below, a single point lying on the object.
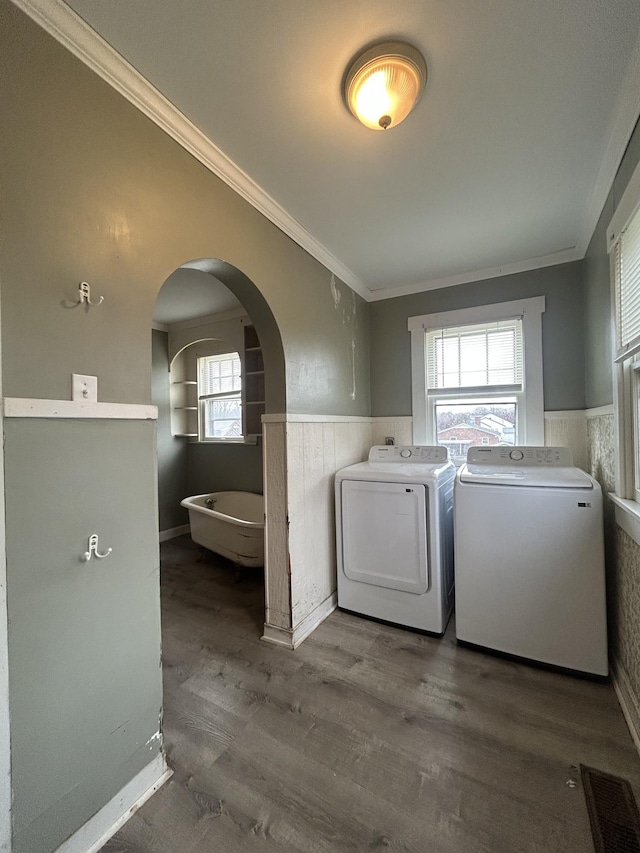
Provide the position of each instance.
(190, 293)
(504, 164)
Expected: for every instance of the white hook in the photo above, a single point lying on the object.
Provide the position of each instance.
(93, 549)
(84, 293)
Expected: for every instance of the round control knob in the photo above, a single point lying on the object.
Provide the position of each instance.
(517, 455)
(406, 453)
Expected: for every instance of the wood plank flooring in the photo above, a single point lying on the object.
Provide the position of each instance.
(366, 738)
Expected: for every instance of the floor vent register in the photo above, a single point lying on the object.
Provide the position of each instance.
(615, 821)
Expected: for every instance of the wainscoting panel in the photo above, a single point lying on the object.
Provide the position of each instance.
(623, 574)
(401, 429)
(315, 452)
(277, 581)
(568, 429)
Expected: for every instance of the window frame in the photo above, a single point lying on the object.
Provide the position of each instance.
(626, 364)
(221, 395)
(530, 407)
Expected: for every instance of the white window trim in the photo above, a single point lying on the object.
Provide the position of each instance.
(202, 398)
(531, 311)
(625, 495)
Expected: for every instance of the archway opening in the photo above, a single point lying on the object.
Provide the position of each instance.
(218, 366)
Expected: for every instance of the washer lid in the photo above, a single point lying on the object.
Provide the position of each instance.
(504, 475)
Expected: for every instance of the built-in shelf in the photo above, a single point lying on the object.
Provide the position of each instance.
(184, 400)
(253, 385)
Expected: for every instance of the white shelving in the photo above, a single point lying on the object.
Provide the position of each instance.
(184, 402)
(253, 386)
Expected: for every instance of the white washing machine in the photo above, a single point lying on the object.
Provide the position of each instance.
(530, 577)
(394, 531)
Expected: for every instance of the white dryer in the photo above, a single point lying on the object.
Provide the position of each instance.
(530, 577)
(394, 531)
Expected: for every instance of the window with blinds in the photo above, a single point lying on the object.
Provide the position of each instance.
(475, 356)
(627, 288)
(220, 396)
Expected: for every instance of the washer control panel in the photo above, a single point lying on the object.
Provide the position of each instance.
(408, 453)
(500, 455)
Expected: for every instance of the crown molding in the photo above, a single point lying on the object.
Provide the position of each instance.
(68, 28)
(565, 256)
(625, 115)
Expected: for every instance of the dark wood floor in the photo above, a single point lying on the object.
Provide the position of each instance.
(366, 738)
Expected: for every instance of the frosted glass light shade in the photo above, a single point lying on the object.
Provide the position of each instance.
(384, 84)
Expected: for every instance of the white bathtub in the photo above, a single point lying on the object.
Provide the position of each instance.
(233, 526)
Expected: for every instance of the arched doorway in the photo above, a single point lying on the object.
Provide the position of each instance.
(248, 329)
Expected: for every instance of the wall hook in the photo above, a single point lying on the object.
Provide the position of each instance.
(84, 294)
(93, 549)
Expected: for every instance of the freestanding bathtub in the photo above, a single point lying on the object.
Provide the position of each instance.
(229, 523)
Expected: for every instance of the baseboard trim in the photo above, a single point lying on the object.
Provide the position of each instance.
(95, 833)
(172, 532)
(277, 636)
(291, 639)
(627, 699)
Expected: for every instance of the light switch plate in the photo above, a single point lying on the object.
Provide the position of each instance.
(84, 389)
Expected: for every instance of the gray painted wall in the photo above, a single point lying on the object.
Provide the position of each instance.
(84, 679)
(598, 314)
(172, 451)
(92, 190)
(218, 468)
(562, 334)
(99, 193)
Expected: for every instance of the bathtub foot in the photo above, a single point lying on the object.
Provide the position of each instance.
(201, 555)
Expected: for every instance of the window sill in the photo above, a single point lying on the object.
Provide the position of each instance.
(627, 516)
(224, 441)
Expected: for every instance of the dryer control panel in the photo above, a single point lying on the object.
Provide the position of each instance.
(414, 453)
(522, 455)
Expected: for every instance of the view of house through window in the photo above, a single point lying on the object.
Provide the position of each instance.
(460, 426)
(220, 396)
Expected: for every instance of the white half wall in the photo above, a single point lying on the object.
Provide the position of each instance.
(315, 452)
(568, 429)
(300, 531)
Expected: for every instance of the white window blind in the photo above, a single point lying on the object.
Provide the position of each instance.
(627, 288)
(220, 374)
(475, 356)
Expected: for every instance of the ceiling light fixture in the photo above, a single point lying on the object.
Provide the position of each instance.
(384, 83)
